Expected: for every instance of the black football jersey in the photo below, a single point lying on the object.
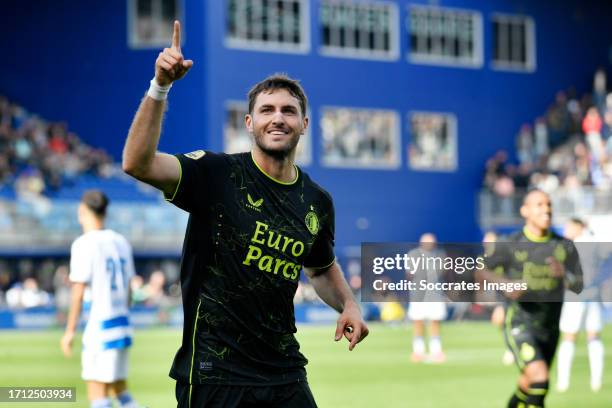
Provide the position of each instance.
(523, 257)
(247, 239)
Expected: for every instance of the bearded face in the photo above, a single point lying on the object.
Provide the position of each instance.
(276, 123)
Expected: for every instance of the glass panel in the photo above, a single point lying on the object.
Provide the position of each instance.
(360, 138)
(433, 142)
(144, 8)
(356, 28)
(443, 35)
(266, 23)
(153, 23)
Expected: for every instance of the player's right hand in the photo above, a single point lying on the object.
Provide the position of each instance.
(557, 270)
(351, 325)
(170, 64)
(514, 294)
(66, 343)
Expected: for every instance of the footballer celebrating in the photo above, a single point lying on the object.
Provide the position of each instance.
(548, 263)
(256, 220)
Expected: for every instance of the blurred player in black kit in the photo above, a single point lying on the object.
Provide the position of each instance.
(548, 263)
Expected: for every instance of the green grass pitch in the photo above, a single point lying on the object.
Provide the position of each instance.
(377, 373)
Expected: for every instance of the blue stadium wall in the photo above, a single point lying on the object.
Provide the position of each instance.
(69, 60)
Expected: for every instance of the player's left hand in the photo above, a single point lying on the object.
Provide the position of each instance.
(66, 343)
(557, 269)
(351, 325)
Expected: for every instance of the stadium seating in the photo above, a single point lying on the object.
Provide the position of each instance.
(567, 154)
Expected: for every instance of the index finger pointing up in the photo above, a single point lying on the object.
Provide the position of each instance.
(176, 36)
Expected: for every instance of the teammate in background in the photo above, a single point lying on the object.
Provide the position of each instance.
(255, 220)
(547, 263)
(499, 312)
(101, 262)
(429, 307)
(575, 310)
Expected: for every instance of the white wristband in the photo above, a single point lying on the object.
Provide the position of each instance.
(158, 92)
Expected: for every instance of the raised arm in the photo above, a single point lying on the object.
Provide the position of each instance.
(140, 156)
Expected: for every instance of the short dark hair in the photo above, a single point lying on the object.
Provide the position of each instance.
(96, 201)
(279, 81)
(577, 221)
(533, 191)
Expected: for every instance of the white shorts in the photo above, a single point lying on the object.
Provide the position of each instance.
(574, 313)
(105, 366)
(427, 311)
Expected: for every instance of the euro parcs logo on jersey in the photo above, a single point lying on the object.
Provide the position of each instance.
(312, 221)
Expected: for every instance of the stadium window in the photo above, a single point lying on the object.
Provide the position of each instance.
(433, 141)
(360, 138)
(151, 22)
(268, 25)
(513, 42)
(361, 30)
(237, 139)
(445, 36)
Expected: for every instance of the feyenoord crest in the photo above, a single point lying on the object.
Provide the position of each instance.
(198, 154)
(312, 222)
(521, 256)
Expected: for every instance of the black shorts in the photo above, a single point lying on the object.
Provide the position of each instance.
(292, 395)
(527, 343)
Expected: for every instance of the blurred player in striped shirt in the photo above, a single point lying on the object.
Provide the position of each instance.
(101, 266)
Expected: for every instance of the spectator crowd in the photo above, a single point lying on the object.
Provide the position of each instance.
(37, 157)
(569, 147)
(33, 282)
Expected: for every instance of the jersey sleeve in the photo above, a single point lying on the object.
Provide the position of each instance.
(573, 269)
(497, 260)
(198, 171)
(81, 266)
(322, 252)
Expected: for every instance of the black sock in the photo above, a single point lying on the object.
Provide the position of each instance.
(536, 394)
(519, 397)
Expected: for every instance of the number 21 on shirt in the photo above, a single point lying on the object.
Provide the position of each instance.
(116, 267)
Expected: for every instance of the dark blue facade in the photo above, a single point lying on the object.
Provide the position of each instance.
(69, 60)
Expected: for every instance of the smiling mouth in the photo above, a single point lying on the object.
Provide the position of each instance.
(279, 132)
(546, 218)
